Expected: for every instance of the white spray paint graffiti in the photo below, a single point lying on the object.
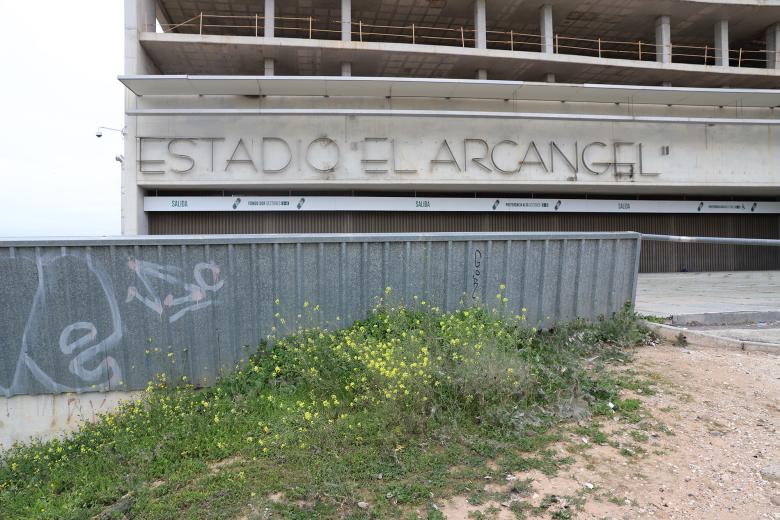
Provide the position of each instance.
(85, 349)
(106, 371)
(194, 297)
(77, 365)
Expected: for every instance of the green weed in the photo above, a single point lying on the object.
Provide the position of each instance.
(320, 421)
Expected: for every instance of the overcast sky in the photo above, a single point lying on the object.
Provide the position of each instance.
(59, 70)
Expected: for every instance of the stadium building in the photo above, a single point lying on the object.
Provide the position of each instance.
(337, 116)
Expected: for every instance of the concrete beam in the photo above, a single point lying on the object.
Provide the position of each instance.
(268, 19)
(722, 43)
(546, 28)
(663, 39)
(480, 25)
(773, 46)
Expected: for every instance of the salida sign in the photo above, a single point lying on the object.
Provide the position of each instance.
(387, 155)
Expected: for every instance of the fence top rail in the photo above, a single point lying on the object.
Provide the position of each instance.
(315, 238)
(713, 240)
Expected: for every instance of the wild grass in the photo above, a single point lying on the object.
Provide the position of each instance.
(379, 419)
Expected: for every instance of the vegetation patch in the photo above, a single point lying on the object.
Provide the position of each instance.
(381, 419)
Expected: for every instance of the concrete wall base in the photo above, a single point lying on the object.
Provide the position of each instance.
(707, 339)
(725, 318)
(27, 417)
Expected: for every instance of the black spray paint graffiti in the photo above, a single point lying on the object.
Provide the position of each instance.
(476, 273)
(60, 313)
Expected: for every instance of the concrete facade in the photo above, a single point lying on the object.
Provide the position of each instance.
(140, 16)
(488, 153)
(660, 124)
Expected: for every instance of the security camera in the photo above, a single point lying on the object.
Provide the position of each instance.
(99, 133)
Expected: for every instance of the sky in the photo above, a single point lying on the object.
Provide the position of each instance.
(58, 84)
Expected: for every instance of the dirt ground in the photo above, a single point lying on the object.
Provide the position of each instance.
(716, 424)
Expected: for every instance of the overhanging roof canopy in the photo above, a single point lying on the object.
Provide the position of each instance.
(184, 85)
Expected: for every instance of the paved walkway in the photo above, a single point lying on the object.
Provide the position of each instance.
(667, 294)
(742, 305)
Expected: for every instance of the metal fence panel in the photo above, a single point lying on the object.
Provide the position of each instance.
(656, 256)
(82, 315)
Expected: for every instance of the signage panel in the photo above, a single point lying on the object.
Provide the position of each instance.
(451, 204)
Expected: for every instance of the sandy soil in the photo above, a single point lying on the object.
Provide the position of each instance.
(722, 411)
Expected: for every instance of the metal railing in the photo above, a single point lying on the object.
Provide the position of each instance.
(712, 240)
(312, 27)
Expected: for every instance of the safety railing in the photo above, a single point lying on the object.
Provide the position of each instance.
(319, 28)
(712, 240)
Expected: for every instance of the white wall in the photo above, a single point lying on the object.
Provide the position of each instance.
(25, 417)
(699, 155)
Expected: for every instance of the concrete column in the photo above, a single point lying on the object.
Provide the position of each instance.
(346, 20)
(346, 32)
(481, 73)
(663, 39)
(268, 19)
(773, 46)
(722, 43)
(480, 25)
(549, 77)
(140, 16)
(546, 28)
(268, 32)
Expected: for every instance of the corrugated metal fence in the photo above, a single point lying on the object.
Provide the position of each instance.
(656, 257)
(110, 314)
